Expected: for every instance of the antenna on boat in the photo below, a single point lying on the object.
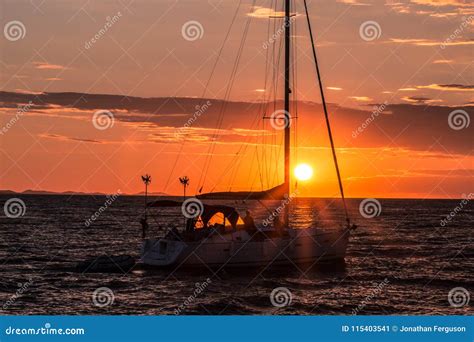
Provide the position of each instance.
(185, 181)
(146, 180)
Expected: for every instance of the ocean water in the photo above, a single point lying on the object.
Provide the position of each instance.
(406, 260)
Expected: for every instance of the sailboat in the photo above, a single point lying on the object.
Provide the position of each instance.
(217, 236)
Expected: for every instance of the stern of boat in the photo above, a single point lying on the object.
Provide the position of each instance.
(161, 252)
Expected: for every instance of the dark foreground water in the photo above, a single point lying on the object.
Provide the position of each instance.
(405, 261)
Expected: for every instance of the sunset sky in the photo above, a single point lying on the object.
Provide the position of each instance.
(408, 65)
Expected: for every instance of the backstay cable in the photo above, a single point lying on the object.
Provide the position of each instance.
(341, 189)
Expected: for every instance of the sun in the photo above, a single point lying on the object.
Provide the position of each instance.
(303, 172)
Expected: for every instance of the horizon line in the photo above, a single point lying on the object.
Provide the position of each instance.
(157, 194)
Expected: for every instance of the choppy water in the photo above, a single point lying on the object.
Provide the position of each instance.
(401, 262)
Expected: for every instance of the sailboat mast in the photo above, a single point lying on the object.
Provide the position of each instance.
(287, 103)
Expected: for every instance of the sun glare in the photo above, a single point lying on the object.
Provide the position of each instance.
(303, 172)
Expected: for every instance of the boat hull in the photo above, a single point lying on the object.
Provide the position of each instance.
(308, 246)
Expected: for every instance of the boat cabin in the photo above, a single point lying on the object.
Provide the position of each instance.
(207, 219)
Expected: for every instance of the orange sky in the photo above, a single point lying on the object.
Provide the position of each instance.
(406, 81)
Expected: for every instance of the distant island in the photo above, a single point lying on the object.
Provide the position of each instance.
(76, 193)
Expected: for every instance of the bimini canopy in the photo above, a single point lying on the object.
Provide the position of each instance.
(208, 211)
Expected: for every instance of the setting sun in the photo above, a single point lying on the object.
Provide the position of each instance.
(303, 172)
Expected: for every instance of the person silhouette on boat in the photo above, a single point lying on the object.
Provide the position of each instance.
(278, 225)
(189, 225)
(173, 234)
(144, 223)
(249, 223)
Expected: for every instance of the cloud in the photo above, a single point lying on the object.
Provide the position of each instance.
(420, 99)
(29, 92)
(66, 138)
(443, 61)
(47, 66)
(448, 87)
(442, 3)
(445, 172)
(407, 89)
(354, 2)
(333, 88)
(361, 98)
(429, 42)
(54, 79)
(205, 134)
(399, 7)
(439, 9)
(265, 13)
(400, 173)
(409, 125)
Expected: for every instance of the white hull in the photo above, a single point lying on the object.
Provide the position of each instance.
(239, 250)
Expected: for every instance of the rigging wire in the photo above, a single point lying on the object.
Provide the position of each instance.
(206, 86)
(225, 102)
(234, 165)
(295, 91)
(229, 167)
(275, 153)
(266, 98)
(221, 115)
(259, 167)
(341, 188)
(262, 108)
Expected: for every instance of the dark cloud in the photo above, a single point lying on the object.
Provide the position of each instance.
(457, 86)
(448, 87)
(63, 137)
(410, 126)
(445, 173)
(418, 99)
